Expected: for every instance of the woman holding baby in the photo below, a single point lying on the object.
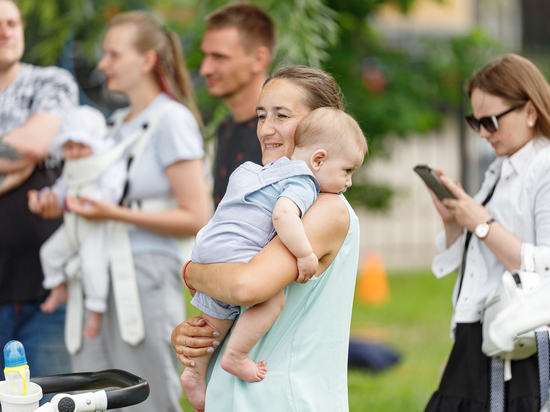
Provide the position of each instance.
(306, 348)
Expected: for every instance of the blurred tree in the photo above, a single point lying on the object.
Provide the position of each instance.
(390, 91)
(68, 33)
(398, 90)
(51, 23)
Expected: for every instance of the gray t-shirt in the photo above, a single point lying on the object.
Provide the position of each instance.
(36, 89)
(178, 137)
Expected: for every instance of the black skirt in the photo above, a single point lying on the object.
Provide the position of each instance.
(465, 383)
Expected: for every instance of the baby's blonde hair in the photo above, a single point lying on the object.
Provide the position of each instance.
(333, 128)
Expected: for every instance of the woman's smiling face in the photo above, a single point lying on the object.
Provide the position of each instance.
(280, 109)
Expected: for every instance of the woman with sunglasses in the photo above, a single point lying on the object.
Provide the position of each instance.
(487, 234)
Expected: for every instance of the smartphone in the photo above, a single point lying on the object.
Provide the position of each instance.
(432, 180)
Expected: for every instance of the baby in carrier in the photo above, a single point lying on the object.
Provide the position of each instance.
(92, 171)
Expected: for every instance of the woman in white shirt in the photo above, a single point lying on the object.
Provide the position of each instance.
(167, 198)
(510, 100)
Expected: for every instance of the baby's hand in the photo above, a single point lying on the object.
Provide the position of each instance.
(307, 267)
(35, 205)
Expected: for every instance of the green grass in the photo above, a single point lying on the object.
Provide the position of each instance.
(415, 323)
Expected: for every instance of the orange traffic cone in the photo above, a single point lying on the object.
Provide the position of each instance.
(373, 287)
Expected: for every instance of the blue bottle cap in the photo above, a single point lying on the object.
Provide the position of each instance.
(14, 354)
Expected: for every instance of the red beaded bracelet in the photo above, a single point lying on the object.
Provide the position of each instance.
(185, 280)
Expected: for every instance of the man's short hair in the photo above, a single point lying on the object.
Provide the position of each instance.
(255, 27)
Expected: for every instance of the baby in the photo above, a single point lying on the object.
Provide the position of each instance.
(259, 203)
(81, 141)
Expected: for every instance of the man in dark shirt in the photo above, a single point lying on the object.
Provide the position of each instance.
(238, 46)
(32, 100)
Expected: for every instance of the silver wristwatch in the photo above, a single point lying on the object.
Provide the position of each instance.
(482, 230)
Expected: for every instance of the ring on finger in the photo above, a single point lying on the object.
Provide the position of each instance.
(185, 340)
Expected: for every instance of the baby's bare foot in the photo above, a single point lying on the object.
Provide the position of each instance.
(93, 325)
(194, 386)
(57, 296)
(243, 367)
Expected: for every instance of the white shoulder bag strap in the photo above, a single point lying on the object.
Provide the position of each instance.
(125, 288)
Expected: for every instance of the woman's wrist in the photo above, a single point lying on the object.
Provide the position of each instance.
(484, 216)
(185, 276)
(122, 214)
(119, 213)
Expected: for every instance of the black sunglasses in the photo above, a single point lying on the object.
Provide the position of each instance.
(490, 123)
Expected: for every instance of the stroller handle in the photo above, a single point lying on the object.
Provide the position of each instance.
(133, 388)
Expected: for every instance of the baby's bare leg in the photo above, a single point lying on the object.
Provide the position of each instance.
(57, 296)
(93, 324)
(193, 379)
(250, 327)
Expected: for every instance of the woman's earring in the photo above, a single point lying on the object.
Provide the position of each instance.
(530, 123)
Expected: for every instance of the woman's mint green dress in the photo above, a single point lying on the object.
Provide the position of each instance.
(306, 349)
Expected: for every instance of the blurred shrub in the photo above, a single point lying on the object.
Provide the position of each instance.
(398, 90)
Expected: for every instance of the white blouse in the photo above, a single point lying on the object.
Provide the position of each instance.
(521, 204)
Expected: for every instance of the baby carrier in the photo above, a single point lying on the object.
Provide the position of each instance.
(80, 173)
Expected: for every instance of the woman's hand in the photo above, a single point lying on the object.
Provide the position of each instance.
(445, 213)
(44, 204)
(91, 209)
(193, 338)
(453, 229)
(466, 211)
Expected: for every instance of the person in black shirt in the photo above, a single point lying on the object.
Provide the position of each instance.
(32, 100)
(238, 45)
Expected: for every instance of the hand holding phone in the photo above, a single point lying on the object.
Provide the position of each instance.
(432, 180)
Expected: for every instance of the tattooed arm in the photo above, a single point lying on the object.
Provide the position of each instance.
(10, 159)
(27, 144)
(23, 147)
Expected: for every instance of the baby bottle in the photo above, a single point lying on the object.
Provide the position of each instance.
(16, 370)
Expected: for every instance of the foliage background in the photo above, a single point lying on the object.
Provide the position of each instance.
(390, 91)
